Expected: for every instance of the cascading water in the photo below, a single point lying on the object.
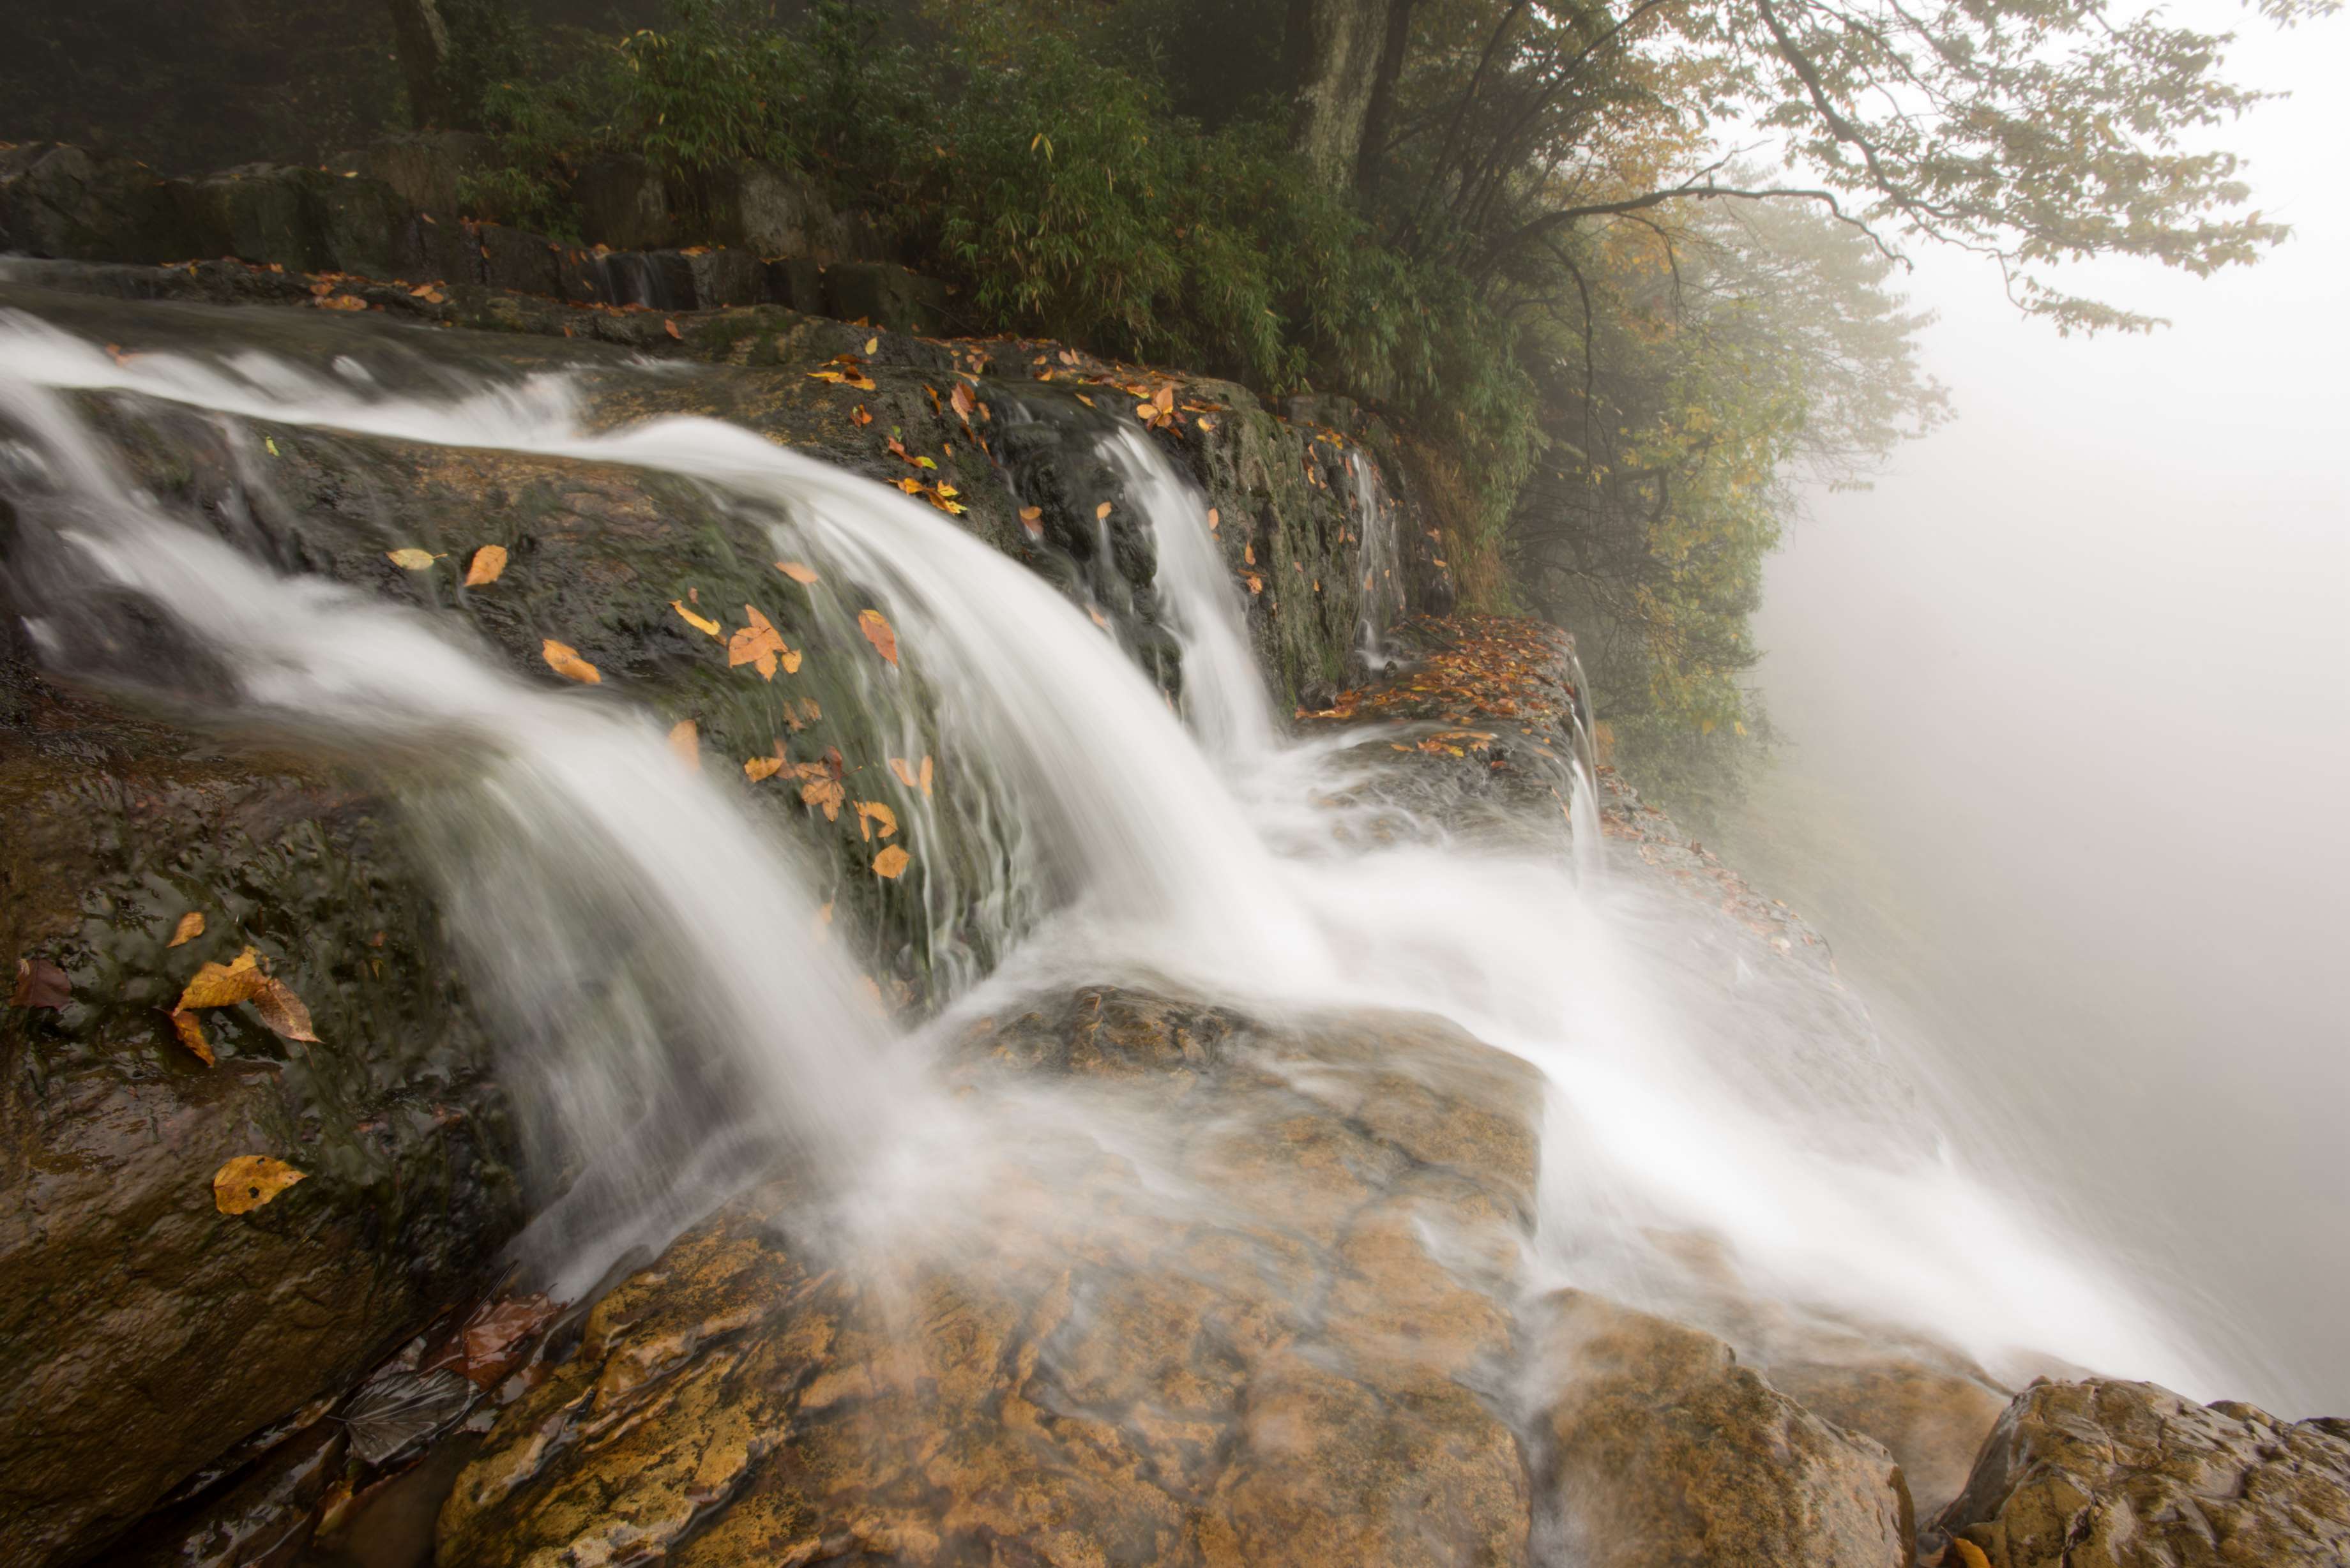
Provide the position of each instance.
(1374, 517)
(1692, 1092)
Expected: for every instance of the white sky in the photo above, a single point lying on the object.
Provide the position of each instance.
(2068, 695)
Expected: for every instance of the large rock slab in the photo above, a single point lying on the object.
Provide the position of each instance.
(2100, 1474)
(1282, 1347)
(1661, 1451)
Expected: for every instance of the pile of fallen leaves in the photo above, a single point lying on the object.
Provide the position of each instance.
(1480, 667)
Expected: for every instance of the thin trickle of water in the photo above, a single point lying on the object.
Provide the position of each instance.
(1373, 517)
(1696, 1094)
(1224, 698)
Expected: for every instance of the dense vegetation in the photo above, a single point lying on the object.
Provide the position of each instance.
(1616, 338)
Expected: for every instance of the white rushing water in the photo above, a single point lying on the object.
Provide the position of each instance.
(1697, 1087)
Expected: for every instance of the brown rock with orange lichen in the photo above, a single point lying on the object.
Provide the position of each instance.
(1265, 1336)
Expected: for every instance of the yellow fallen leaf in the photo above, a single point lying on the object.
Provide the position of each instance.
(905, 772)
(1101, 513)
(192, 1035)
(701, 623)
(685, 740)
(250, 1180)
(891, 862)
(798, 571)
(926, 777)
(564, 660)
(761, 645)
(880, 633)
(223, 984)
(759, 768)
(1967, 1554)
(871, 343)
(488, 562)
(872, 816)
(191, 927)
(809, 710)
(411, 560)
(281, 1010)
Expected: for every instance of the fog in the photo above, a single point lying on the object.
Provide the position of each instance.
(2065, 709)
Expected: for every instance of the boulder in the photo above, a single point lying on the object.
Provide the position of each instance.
(2100, 1474)
(62, 202)
(1658, 1449)
(257, 213)
(426, 169)
(623, 203)
(144, 1331)
(881, 295)
(1277, 1350)
(776, 212)
(1931, 1413)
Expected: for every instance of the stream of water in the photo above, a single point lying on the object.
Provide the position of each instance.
(1695, 1087)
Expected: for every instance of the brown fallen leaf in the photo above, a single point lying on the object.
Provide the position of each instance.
(879, 632)
(250, 1180)
(963, 402)
(701, 623)
(488, 563)
(411, 560)
(798, 571)
(191, 927)
(564, 660)
(223, 984)
(497, 1336)
(192, 1035)
(282, 1010)
(685, 740)
(827, 794)
(757, 769)
(873, 817)
(891, 862)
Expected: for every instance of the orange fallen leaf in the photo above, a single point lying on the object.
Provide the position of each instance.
(223, 984)
(1033, 519)
(827, 794)
(905, 772)
(411, 560)
(191, 927)
(685, 740)
(798, 571)
(489, 561)
(1101, 513)
(1256, 583)
(860, 415)
(761, 645)
(758, 769)
(699, 623)
(250, 1180)
(673, 332)
(1248, 553)
(873, 817)
(564, 660)
(192, 1035)
(1212, 519)
(891, 862)
(879, 632)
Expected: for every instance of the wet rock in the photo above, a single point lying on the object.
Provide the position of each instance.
(143, 1333)
(2100, 1474)
(1661, 1450)
(1282, 1347)
(623, 203)
(426, 168)
(775, 211)
(267, 1512)
(1931, 1415)
(63, 201)
(885, 295)
(257, 213)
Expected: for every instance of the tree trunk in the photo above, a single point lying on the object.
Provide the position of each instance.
(1378, 117)
(1333, 49)
(423, 39)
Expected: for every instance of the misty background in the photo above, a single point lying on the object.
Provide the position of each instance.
(2063, 705)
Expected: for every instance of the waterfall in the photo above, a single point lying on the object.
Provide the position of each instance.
(1374, 517)
(1224, 698)
(1694, 1093)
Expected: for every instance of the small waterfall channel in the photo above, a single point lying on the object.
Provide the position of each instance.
(1688, 1088)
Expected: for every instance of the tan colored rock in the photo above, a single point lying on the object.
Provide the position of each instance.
(1287, 1362)
(2100, 1474)
(1933, 1417)
(1663, 1451)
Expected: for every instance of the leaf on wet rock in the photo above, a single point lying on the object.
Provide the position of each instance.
(281, 1010)
(1214, 519)
(880, 633)
(1101, 513)
(564, 660)
(825, 794)
(761, 645)
(891, 862)
(411, 560)
(397, 1409)
(963, 402)
(673, 332)
(489, 562)
(250, 1180)
(685, 740)
(1033, 519)
(192, 1035)
(223, 984)
(701, 623)
(498, 1333)
(757, 769)
(191, 927)
(872, 817)
(798, 571)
